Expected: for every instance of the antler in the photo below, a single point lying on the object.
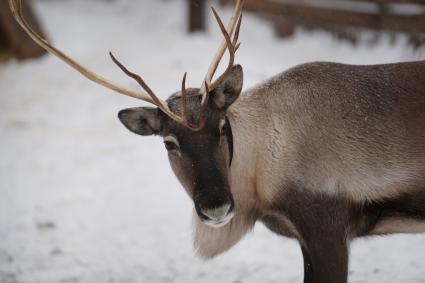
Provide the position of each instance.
(149, 95)
(231, 45)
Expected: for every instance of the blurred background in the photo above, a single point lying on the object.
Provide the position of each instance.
(84, 200)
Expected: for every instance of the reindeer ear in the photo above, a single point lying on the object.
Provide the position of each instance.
(143, 121)
(228, 91)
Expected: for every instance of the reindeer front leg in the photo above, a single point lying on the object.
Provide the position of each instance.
(323, 226)
(325, 261)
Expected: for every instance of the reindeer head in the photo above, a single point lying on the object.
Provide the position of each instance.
(192, 122)
(199, 157)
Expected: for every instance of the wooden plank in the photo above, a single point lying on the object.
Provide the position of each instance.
(15, 39)
(418, 2)
(310, 15)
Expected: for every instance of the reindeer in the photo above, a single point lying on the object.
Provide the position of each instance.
(322, 153)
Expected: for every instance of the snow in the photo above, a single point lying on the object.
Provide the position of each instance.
(84, 200)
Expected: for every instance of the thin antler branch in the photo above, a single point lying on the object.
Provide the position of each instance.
(158, 102)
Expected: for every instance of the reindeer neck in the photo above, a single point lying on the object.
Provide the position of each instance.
(247, 124)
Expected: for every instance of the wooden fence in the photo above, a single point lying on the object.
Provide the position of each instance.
(345, 17)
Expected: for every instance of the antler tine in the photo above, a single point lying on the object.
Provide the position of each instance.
(184, 99)
(224, 31)
(224, 45)
(158, 102)
(185, 120)
(16, 8)
(204, 103)
(236, 35)
(137, 78)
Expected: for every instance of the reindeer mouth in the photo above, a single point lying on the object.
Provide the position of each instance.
(217, 217)
(220, 222)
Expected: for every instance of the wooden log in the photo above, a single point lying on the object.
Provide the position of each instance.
(15, 41)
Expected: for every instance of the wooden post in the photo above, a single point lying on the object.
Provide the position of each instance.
(14, 42)
(196, 15)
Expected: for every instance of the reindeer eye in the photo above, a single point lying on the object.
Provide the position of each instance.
(169, 145)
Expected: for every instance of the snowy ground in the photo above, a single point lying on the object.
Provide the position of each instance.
(83, 200)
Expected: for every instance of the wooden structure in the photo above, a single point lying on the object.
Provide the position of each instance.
(345, 16)
(196, 15)
(14, 42)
